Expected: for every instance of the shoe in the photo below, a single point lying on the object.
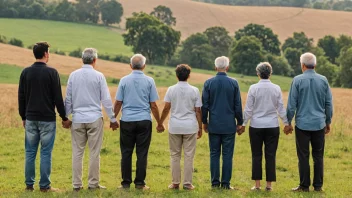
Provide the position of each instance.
(99, 187)
(255, 188)
(300, 189)
(29, 188)
(268, 188)
(318, 189)
(188, 187)
(142, 187)
(174, 186)
(124, 187)
(50, 189)
(77, 189)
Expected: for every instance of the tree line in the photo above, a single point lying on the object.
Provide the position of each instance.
(342, 5)
(85, 11)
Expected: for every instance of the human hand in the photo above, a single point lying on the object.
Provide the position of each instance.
(327, 129)
(205, 127)
(24, 123)
(66, 124)
(200, 133)
(160, 128)
(114, 125)
(241, 130)
(288, 129)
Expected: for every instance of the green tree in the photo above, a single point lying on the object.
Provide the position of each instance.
(196, 51)
(64, 11)
(266, 36)
(280, 65)
(299, 3)
(330, 47)
(344, 42)
(298, 41)
(293, 56)
(111, 12)
(220, 40)
(88, 10)
(149, 36)
(164, 14)
(346, 68)
(326, 68)
(246, 55)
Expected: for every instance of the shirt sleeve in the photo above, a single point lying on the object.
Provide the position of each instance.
(238, 105)
(153, 93)
(205, 100)
(329, 108)
(198, 99)
(59, 102)
(106, 99)
(248, 109)
(68, 98)
(22, 97)
(292, 101)
(167, 95)
(280, 107)
(120, 91)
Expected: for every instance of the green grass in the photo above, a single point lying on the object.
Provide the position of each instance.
(65, 36)
(337, 180)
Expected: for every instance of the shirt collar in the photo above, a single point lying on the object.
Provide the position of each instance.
(40, 64)
(309, 71)
(87, 66)
(182, 83)
(137, 72)
(264, 80)
(221, 74)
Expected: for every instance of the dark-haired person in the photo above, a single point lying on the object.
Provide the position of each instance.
(263, 107)
(222, 104)
(185, 126)
(310, 102)
(38, 93)
(137, 96)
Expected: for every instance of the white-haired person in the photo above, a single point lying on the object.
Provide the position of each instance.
(263, 107)
(86, 92)
(310, 102)
(137, 96)
(185, 125)
(221, 108)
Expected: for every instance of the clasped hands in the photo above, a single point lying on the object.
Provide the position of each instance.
(288, 129)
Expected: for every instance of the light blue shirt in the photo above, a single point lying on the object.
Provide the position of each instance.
(311, 99)
(136, 91)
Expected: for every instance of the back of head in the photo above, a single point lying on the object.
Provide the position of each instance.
(138, 61)
(39, 49)
(221, 63)
(309, 60)
(264, 70)
(89, 55)
(183, 71)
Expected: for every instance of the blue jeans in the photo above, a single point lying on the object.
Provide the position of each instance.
(43, 132)
(221, 143)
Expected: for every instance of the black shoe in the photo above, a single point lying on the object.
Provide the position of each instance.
(228, 188)
(125, 187)
(29, 188)
(97, 188)
(215, 186)
(300, 189)
(77, 189)
(318, 189)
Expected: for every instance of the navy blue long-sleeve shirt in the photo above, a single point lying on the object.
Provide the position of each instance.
(222, 104)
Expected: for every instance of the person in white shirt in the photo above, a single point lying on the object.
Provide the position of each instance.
(185, 125)
(86, 91)
(264, 105)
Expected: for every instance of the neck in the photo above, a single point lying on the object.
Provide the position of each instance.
(223, 71)
(41, 60)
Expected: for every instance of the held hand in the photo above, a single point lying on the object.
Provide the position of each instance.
(241, 130)
(160, 128)
(205, 127)
(24, 123)
(288, 129)
(200, 133)
(327, 129)
(66, 124)
(114, 125)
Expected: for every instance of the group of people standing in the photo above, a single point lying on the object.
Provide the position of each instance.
(218, 112)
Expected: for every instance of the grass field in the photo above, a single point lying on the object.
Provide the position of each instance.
(65, 36)
(338, 160)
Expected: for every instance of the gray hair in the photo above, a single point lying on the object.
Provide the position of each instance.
(89, 55)
(309, 60)
(264, 70)
(222, 62)
(138, 61)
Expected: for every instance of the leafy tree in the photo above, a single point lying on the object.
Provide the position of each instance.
(346, 68)
(88, 10)
(299, 3)
(246, 55)
(64, 11)
(298, 41)
(164, 14)
(196, 51)
(330, 47)
(280, 65)
(326, 68)
(38, 10)
(147, 35)
(16, 42)
(344, 42)
(293, 56)
(111, 12)
(220, 40)
(266, 36)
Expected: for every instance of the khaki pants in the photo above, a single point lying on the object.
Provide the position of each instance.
(81, 133)
(188, 142)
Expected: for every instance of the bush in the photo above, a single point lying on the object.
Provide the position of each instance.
(3, 39)
(76, 53)
(59, 52)
(104, 57)
(16, 42)
(121, 59)
(30, 47)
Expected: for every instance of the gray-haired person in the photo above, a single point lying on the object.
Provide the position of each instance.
(263, 107)
(86, 91)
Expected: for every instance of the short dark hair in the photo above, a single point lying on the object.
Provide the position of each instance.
(39, 49)
(183, 71)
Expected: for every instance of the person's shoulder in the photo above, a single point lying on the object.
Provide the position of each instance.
(321, 77)
(51, 69)
(194, 88)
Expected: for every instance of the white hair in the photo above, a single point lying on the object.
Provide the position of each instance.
(309, 60)
(88, 55)
(138, 61)
(222, 62)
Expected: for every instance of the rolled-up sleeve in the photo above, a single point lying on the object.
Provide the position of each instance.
(329, 109)
(292, 101)
(205, 101)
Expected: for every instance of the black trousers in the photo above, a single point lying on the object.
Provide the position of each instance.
(270, 138)
(317, 140)
(133, 134)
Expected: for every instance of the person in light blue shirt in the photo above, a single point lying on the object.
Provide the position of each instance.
(310, 101)
(137, 96)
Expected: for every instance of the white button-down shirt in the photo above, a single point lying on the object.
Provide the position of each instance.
(86, 91)
(264, 104)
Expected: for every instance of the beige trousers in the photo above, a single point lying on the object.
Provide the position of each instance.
(81, 133)
(188, 142)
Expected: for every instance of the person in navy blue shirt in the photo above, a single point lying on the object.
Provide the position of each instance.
(222, 105)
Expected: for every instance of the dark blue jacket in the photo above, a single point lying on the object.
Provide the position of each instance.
(222, 103)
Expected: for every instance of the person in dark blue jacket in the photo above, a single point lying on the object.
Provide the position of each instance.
(222, 105)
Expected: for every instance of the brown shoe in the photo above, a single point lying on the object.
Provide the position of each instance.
(255, 188)
(29, 188)
(77, 189)
(188, 187)
(318, 189)
(300, 189)
(174, 186)
(142, 187)
(51, 189)
(97, 188)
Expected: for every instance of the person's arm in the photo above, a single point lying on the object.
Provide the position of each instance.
(120, 93)
(153, 97)
(199, 119)
(68, 98)
(238, 105)
(281, 109)
(22, 99)
(205, 107)
(248, 109)
(292, 102)
(59, 102)
(165, 112)
(156, 114)
(329, 109)
(105, 99)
